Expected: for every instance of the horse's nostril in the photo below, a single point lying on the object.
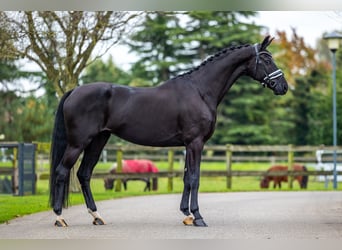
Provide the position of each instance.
(274, 84)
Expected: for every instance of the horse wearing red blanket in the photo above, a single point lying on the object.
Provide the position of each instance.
(134, 166)
(277, 180)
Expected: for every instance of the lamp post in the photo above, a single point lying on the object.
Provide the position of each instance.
(333, 40)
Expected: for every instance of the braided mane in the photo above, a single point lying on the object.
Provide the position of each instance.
(219, 54)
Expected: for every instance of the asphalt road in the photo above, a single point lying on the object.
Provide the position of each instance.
(250, 215)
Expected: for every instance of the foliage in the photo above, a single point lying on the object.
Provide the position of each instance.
(297, 59)
(61, 42)
(167, 47)
(305, 103)
(154, 43)
(24, 119)
(15, 124)
(210, 31)
(33, 117)
(100, 71)
(8, 106)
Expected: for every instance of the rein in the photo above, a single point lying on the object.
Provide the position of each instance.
(268, 79)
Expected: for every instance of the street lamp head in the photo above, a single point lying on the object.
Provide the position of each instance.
(333, 40)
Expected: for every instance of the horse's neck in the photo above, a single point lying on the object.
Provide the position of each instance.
(216, 77)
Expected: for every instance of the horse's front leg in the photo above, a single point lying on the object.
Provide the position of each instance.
(191, 181)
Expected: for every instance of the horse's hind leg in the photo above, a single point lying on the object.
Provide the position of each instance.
(62, 182)
(91, 156)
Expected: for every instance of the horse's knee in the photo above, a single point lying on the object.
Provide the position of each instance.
(83, 178)
(62, 174)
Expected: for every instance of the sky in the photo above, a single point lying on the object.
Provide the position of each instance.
(308, 24)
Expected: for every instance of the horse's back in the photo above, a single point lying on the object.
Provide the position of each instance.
(297, 167)
(278, 168)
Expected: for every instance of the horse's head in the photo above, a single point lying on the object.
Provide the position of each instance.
(263, 69)
(264, 183)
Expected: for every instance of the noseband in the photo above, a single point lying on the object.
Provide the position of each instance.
(268, 79)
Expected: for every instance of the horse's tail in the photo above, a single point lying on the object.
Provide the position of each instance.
(58, 146)
(305, 179)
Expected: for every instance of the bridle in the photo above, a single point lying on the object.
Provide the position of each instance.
(268, 79)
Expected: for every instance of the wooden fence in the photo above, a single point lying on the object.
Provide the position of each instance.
(229, 154)
(287, 154)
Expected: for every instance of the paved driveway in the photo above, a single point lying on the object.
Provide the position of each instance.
(252, 215)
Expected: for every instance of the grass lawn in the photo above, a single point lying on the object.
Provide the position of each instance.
(15, 206)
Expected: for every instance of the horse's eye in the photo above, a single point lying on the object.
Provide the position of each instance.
(267, 62)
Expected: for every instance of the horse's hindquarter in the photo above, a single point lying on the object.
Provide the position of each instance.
(86, 112)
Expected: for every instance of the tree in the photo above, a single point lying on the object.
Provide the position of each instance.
(105, 72)
(34, 113)
(209, 31)
(61, 42)
(8, 113)
(153, 42)
(297, 58)
(318, 102)
(10, 100)
(307, 99)
(326, 90)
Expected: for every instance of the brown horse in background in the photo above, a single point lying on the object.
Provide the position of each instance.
(277, 180)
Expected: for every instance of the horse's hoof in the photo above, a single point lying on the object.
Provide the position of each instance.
(98, 221)
(61, 223)
(200, 223)
(188, 220)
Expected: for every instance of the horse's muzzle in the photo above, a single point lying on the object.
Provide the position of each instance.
(279, 87)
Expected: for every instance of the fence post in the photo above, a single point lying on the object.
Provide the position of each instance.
(290, 158)
(229, 166)
(170, 156)
(15, 171)
(119, 156)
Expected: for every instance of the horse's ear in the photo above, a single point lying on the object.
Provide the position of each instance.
(267, 41)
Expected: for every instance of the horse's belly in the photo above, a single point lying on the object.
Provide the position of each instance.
(154, 137)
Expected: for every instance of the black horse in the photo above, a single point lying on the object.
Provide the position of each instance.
(180, 112)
